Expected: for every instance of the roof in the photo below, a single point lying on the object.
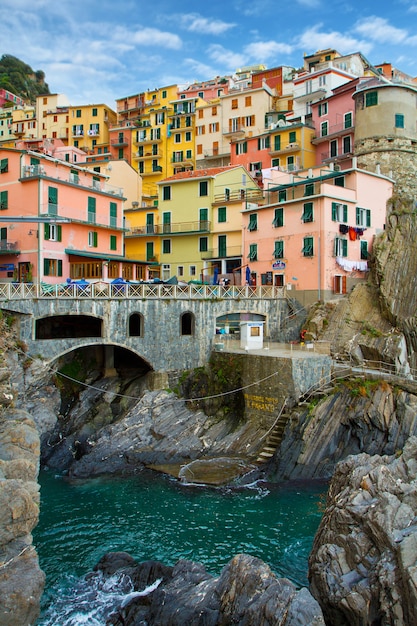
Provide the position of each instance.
(208, 172)
(106, 257)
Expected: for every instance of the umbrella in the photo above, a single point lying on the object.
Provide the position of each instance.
(215, 276)
(248, 280)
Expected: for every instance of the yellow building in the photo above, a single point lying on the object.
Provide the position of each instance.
(200, 224)
(52, 117)
(89, 126)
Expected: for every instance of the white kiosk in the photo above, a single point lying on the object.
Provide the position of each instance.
(251, 335)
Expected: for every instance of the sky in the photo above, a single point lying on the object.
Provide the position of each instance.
(97, 51)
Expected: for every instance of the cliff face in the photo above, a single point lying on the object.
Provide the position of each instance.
(21, 579)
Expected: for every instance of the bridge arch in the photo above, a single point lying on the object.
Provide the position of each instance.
(68, 326)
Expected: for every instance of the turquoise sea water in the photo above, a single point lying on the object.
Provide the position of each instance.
(154, 517)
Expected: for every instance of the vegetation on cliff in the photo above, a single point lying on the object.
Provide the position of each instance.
(19, 78)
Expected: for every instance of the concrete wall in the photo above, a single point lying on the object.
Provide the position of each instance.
(162, 345)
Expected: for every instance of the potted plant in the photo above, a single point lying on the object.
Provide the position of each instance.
(29, 276)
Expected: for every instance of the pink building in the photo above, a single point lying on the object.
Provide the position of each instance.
(58, 220)
(315, 231)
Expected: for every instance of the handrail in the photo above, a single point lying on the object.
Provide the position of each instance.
(104, 291)
(268, 432)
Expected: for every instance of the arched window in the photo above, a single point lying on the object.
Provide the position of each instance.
(136, 325)
(187, 324)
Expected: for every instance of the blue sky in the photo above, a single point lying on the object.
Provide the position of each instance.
(96, 51)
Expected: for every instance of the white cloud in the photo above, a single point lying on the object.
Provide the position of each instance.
(197, 24)
(227, 58)
(378, 29)
(264, 50)
(201, 70)
(313, 39)
(155, 37)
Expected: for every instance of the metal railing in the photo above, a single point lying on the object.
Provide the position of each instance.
(106, 291)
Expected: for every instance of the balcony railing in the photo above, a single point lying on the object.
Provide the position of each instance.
(140, 291)
(251, 195)
(34, 171)
(221, 253)
(7, 247)
(169, 229)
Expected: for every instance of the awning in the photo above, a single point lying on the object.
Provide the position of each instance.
(107, 257)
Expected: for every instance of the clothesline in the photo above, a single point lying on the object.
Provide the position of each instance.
(354, 231)
(351, 266)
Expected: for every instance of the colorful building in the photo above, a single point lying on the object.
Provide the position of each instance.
(315, 231)
(89, 126)
(200, 223)
(58, 221)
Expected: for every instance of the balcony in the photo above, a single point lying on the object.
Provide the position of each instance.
(221, 253)
(119, 142)
(169, 229)
(35, 171)
(8, 247)
(289, 147)
(236, 132)
(336, 130)
(239, 195)
(148, 155)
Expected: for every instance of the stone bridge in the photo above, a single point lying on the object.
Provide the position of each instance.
(169, 327)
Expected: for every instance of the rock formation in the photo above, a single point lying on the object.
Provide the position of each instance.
(21, 579)
(246, 593)
(362, 568)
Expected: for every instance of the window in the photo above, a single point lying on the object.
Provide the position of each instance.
(203, 218)
(200, 130)
(187, 324)
(52, 232)
(113, 242)
(399, 120)
(323, 109)
(339, 181)
(136, 325)
(78, 113)
(91, 210)
(292, 137)
(150, 255)
(193, 270)
(222, 241)
(180, 270)
(275, 163)
(166, 246)
(221, 214)
(309, 189)
(340, 247)
(214, 127)
(241, 147)
(308, 246)
(113, 214)
(4, 166)
(187, 136)
(166, 221)
(177, 138)
(347, 122)
(279, 250)
(248, 101)
(371, 98)
(363, 217)
(324, 129)
(189, 154)
(52, 267)
(160, 118)
(203, 188)
(253, 222)
(322, 80)
(253, 252)
(307, 212)
(364, 250)
(164, 94)
(92, 239)
(347, 146)
(52, 201)
(282, 195)
(248, 120)
(277, 142)
(4, 200)
(166, 192)
(234, 103)
(214, 110)
(203, 244)
(339, 212)
(333, 148)
(278, 217)
(264, 142)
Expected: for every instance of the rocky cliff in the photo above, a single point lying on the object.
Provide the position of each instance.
(363, 563)
(21, 579)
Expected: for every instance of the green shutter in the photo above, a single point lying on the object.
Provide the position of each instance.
(278, 218)
(358, 216)
(334, 211)
(113, 242)
(277, 142)
(368, 218)
(95, 240)
(307, 212)
(47, 231)
(4, 200)
(59, 232)
(52, 200)
(345, 213)
(4, 166)
(279, 250)
(59, 267)
(253, 222)
(46, 267)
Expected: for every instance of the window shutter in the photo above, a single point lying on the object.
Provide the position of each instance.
(368, 217)
(45, 266)
(95, 239)
(47, 231)
(358, 216)
(59, 233)
(59, 267)
(345, 213)
(344, 247)
(334, 211)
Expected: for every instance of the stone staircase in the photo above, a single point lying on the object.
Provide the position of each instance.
(274, 436)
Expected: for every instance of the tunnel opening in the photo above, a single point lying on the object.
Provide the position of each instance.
(68, 327)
